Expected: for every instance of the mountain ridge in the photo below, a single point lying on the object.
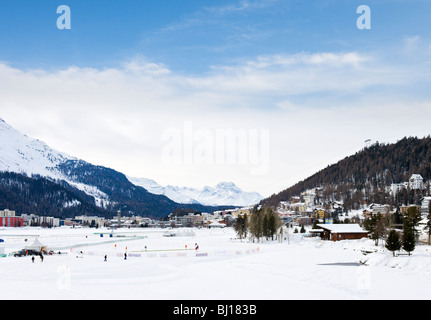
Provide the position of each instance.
(224, 193)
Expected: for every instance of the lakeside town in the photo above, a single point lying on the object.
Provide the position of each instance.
(302, 211)
(138, 257)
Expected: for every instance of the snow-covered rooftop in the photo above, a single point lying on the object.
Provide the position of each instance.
(342, 228)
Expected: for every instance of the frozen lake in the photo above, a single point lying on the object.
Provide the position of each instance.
(170, 268)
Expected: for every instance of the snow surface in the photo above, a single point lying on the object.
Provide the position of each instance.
(222, 268)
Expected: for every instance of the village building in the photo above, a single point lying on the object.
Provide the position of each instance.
(367, 214)
(380, 208)
(91, 221)
(336, 232)
(416, 182)
(404, 209)
(425, 206)
(8, 219)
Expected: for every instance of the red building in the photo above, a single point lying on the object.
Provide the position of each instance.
(11, 222)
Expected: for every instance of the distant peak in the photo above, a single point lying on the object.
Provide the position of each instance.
(226, 184)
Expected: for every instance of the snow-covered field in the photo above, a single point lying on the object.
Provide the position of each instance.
(163, 268)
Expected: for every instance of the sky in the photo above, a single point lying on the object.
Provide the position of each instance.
(262, 93)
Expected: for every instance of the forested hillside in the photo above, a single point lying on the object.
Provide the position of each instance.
(364, 176)
(40, 196)
(45, 197)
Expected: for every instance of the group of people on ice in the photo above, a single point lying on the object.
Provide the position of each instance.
(125, 254)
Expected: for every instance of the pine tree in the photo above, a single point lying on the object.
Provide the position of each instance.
(255, 224)
(241, 226)
(274, 223)
(411, 220)
(428, 226)
(393, 242)
(409, 241)
(265, 225)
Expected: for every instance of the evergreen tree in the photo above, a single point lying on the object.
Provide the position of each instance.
(393, 242)
(265, 225)
(241, 226)
(411, 220)
(274, 223)
(409, 241)
(255, 224)
(428, 226)
(398, 219)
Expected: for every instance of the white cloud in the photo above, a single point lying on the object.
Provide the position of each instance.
(316, 108)
(241, 6)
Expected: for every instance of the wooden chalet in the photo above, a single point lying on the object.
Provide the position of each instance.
(336, 232)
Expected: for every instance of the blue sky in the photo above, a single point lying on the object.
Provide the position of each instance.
(192, 35)
(134, 80)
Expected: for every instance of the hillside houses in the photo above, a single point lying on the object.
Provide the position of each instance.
(415, 182)
(314, 204)
(304, 209)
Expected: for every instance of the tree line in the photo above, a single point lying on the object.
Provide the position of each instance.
(262, 224)
(383, 227)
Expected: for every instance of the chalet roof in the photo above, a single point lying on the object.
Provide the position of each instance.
(342, 228)
(216, 224)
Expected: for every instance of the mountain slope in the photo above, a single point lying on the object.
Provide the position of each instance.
(21, 154)
(40, 196)
(365, 175)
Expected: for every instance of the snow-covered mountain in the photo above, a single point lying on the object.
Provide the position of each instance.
(21, 154)
(224, 193)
